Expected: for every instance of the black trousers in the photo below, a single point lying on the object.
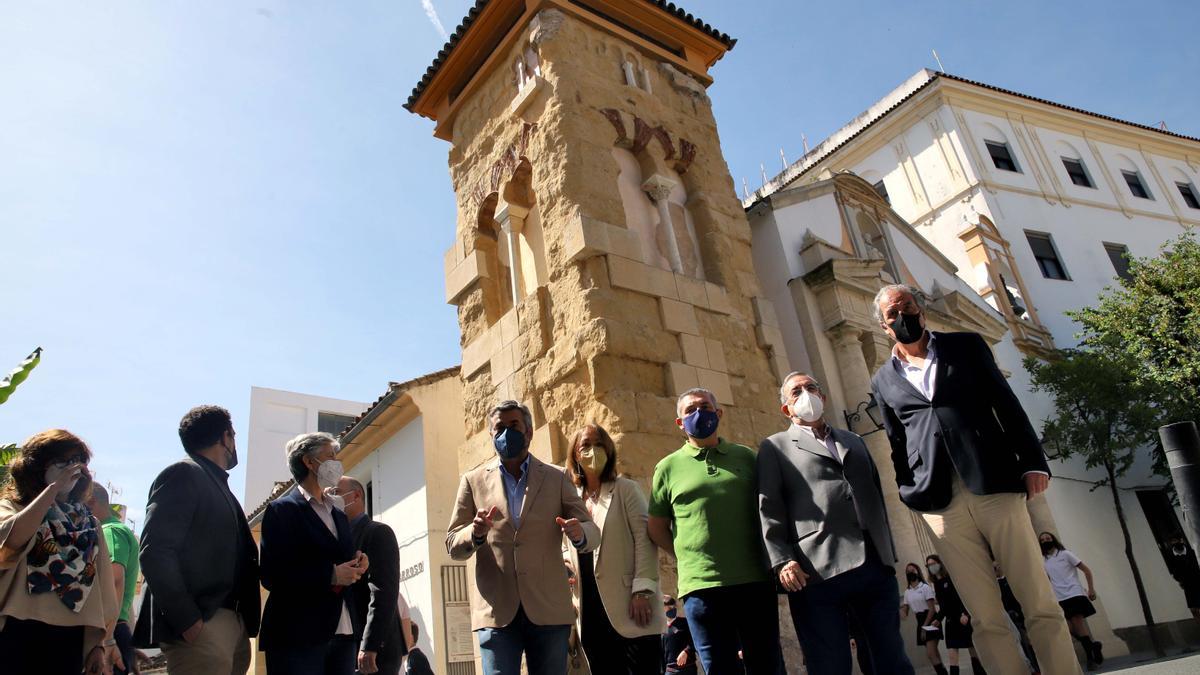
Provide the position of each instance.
(36, 647)
(124, 638)
(607, 650)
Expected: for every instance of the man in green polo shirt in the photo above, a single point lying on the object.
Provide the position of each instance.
(704, 512)
(123, 549)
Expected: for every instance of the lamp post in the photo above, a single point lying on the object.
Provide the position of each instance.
(869, 406)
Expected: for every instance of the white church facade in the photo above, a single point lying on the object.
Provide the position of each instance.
(1025, 209)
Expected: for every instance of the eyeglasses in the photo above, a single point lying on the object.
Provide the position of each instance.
(61, 464)
(811, 387)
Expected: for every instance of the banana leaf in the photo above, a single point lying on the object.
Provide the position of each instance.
(9, 384)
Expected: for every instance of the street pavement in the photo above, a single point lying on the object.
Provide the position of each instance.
(1144, 664)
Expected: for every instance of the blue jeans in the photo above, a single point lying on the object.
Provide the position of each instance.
(820, 614)
(338, 656)
(545, 647)
(728, 618)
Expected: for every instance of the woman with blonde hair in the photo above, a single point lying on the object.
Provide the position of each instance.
(58, 600)
(616, 586)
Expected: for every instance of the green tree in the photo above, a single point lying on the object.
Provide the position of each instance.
(7, 386)
(1102, 412)
(1152, 320)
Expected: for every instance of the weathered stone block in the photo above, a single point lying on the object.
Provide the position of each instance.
(638, 341)
(680, 377)
(691, 291)
(460, 278)
(678, 317)
(480, 351)
(695, 351)
(716, 355)
(718, 300)
(780, 366)
(617, 412)
(509, 327)
(547, 444)
(717, 383)
(655, 413)
(610, 373)
(764, 312)
(503, 363)
(769, 336)
(765, 424)
(636, 276)
(584, 238)
(737, 426)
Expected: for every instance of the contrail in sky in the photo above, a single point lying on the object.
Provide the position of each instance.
(430, 12)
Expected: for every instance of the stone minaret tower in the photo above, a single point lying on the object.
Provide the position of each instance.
(601, 259)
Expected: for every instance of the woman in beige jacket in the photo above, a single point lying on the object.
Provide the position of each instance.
(58, 600)
(616, 587)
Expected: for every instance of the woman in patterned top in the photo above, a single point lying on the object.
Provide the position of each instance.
(58, 603)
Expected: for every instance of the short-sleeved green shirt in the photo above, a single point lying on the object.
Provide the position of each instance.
(123, 549)
(711, 496)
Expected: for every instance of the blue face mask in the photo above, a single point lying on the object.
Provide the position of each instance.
(509, 442)
(671, 614)
(701, 423)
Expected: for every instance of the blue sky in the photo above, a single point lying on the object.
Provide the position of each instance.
(200, 197)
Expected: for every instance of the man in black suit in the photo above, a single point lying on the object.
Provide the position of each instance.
(381, 646)
(966, 458)
(309, 564)
(198, 557)
(826, 530)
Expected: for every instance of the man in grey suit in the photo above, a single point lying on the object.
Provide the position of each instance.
(827, 536)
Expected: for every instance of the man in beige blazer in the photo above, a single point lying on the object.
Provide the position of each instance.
(511, 514)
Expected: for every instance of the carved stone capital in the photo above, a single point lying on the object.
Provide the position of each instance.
(658, 187)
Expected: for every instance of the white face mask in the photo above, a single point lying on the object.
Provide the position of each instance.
(337, 500)
(329, 473)
(935, 569)
(808, 407)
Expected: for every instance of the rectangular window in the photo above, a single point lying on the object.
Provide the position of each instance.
(1002, 156)
(1119, 255)
(882, 190)
(333, 423)
(1078, 174)
(1189, 195)
(1134, 180)
(1046, 256)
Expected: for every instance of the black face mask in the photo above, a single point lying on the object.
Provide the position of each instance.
(1048, 547)
(912, 577)
(231, 458)
(907, 328)
(1179, 549)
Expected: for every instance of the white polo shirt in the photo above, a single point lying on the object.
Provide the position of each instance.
(1063, 570)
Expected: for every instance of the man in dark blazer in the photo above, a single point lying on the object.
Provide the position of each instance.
(826, 531)
(309, 564)
(198, 558)
(381, 647)
(966, 459)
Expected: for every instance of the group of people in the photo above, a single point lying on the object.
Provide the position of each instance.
(805, 515)
(69, 567)
(566, 562)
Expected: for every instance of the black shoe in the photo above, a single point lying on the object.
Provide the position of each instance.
(1097, 654)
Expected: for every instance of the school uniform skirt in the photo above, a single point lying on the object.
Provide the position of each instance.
(1077, 605)
(923, 635)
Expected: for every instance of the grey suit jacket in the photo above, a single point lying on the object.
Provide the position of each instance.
(815, 509)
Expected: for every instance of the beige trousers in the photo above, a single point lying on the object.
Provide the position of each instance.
(222, 647)
(966, 534)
